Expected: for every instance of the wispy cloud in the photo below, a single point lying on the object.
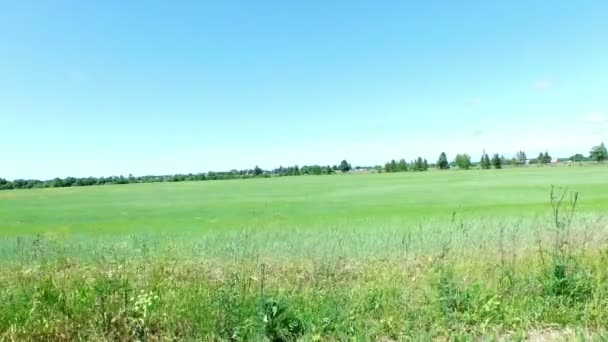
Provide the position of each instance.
(599, 131)
(596, 118)
(477, 133)
(474, 102)
(545, 84)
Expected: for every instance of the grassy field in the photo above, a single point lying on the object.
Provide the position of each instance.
(435, 255)
(355, 201)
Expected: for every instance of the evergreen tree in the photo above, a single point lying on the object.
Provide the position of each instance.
(344, 166)
(442, 162)
(497, 161)
(402, 166)
(393, 166)
(521, 157)
(485, 161)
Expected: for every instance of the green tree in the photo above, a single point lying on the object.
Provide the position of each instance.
(402, 166)
(344, 166)
(419, 165)
(393, 166)
(463, 161)
(497, 161)
(544, 158)
(257, 171)
(577, 158)
(521, 158)
(442, 162)
(540, 159)
(599, 153)
(485, 161)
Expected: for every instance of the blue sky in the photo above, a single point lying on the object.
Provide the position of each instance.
(116, 87)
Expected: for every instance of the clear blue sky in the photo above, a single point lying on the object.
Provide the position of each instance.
(155, 87)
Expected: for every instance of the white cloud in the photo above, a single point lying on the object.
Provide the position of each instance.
(474, 102)
(596, 118)
(545, 84)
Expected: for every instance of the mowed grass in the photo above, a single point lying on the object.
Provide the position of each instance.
(369, 201)
(456, 255)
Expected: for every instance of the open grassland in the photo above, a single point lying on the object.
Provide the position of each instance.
(367, 202)
(437, 255)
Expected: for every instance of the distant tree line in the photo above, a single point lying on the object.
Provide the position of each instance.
(256, 172)
(402, 166)
(462, 161)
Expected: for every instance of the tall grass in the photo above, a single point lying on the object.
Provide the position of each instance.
(459, 278)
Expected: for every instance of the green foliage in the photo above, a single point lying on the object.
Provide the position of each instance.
(344, 166)
(599, 153)
(281, 324)
(497, 161)
(521, 158)
(442, 162)
(394, 166)
(402, 165)
(419, 165)
(463, 161)
(485, 162)
(351, 286)
(578, 158)
(543, 158)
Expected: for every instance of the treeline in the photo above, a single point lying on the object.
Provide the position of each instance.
(256, 172)
(402, 166)
(463, 161)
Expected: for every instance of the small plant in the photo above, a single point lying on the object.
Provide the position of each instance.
(281, 324)
(565, 276)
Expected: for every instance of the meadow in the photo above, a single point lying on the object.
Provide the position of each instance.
(424, 256)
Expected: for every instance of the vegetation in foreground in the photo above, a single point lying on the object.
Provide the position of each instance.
(462, 278)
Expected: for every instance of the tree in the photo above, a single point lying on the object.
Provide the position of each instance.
(544, 158)
(497, 161)
(485, 161)
(402, 166)
(521, 157)
(393, 166)
(344, 166)
(442, 162)
(463, 161)
(577, 158)
(419, 165)
(257, 171)
(599, 153)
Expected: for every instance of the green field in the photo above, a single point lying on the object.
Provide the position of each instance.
(422, 256)
(369, 201)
